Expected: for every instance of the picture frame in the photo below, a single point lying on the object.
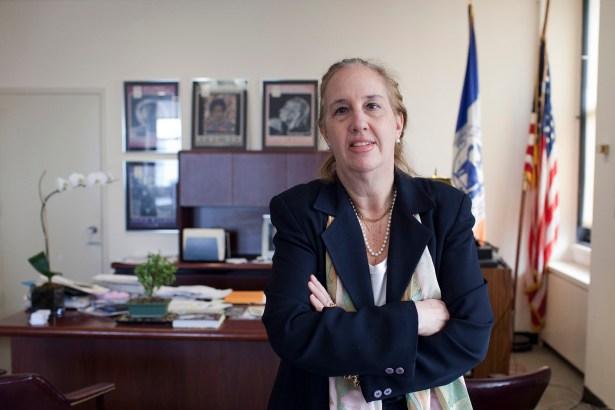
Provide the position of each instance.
(152, 116)
(289, 114)
(151, 194)
(219, 113)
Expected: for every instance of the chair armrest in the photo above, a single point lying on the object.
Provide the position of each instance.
(89, 393)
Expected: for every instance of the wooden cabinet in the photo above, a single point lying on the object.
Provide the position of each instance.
(257, 178)
(232, 189)
(500, 292)
(205, 182)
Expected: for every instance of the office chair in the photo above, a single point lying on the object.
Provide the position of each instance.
(516, 392)
(30, 391)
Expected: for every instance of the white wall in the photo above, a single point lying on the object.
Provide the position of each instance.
(100, 44)
(566, 320)
(600, 360)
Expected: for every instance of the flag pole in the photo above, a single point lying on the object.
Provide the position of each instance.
(544, 26)
(525, 345)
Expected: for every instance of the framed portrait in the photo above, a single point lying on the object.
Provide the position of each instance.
(152, 119)
(219, 113)
(151, 194)
(289, 114)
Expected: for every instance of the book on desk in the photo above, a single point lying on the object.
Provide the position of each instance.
(209, 320)
(245, 297)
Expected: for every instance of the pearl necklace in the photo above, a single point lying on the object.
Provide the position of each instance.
(387, 232)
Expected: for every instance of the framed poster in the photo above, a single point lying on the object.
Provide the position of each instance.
(219, 113)
(289, 114)
(151, 194)
(152, 116)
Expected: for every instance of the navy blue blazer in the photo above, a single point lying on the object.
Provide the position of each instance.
(380, 344)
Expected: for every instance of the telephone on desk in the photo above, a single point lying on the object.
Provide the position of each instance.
(488, 256)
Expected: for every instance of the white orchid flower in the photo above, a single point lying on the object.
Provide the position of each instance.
(61, 184)
(75, 179)
(97, 178)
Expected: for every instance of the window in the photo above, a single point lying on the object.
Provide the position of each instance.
(589, 73)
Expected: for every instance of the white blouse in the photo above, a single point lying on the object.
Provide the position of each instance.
(378, 275)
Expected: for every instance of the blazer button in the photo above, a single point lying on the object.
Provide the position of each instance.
(400, 370)
(387, 391)
(378, 394)
(389, 370)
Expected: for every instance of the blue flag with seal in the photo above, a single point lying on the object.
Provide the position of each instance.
(468, 150)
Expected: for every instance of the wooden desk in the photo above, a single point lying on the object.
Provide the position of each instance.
(153, 367)
(254, 277)
(500, 345)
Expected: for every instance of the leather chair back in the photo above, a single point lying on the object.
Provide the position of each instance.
(30, 391)
(516, 392)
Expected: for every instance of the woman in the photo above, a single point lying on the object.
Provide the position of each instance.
(376, 298)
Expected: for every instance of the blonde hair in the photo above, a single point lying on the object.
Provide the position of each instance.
(327, 171)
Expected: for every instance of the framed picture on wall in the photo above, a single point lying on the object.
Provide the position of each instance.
(152, 120)
(219, 113)
(289, 114)
(151, 194)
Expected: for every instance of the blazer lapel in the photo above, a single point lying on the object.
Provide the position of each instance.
(408, 236)
(344, 243)
(408, 241)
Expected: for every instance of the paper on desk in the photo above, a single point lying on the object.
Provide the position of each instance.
(185, 306)
(91, 289)
(130, 283)
(122, 283)
(193, 292)
(246, 297)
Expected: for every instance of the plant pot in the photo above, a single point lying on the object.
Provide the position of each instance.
(50, 296)
(148, 307)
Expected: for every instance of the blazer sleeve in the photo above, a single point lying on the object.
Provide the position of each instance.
(464, 341)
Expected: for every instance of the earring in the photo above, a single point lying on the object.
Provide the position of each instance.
(398, 140)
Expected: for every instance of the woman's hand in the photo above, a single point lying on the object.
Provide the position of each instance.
(433, 316)
(320, 297)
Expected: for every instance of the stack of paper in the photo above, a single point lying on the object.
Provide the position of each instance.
(90, 289)
(189, 306)
(199, 321)
(122, 283)
(200, 292)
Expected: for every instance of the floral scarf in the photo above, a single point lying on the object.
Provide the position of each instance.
(345, 395)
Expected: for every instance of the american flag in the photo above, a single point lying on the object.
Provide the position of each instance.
(542, 184)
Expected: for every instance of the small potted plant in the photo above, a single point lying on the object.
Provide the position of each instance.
(48, 295)
(155, 272)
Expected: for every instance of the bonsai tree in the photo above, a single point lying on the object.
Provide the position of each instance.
(156, 271)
